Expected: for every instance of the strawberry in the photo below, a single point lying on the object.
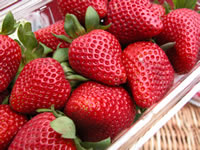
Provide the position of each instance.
(10, 57)
(93, 52)
(38, 134)
(133, 20)
(10, 123)
(158, 9)
(45, 36)
(182, 26)
(100, 111)
(97, 55)
(40, 84)
(79, 7)
(149, 72)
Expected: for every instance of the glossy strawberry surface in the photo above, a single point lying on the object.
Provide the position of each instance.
(38, 134)
(133, 20)
(41, 84)
(182, 26)
(97, 55)
(100, 111)
(79, 7)
(149, 72)
(45, 35)
(159, 10)
(10, 57)
(10, 123)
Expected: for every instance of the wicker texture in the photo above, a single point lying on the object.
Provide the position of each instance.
(182, 132)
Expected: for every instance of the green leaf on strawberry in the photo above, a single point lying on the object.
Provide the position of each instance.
(92, 20)
(9, 24)
(61, 54)
(184, 4)
(72, 26)
(65, 126)
(101, 145)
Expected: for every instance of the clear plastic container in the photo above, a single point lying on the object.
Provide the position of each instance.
(42, 13)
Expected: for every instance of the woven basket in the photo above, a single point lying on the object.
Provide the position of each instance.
(182, 132)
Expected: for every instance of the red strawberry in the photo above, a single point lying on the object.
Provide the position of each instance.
(3, 95)
(45, 36)
(159, 10)
(10, 123)
(40, 84)
(10, 57)
(149, 72)
(133, 20)
(100, 111)
(97, 55)
(38, 134)
(79, 7)
(182, 26)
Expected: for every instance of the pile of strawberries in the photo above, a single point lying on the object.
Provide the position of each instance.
(78, 83)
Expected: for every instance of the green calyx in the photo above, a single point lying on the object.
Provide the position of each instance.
(74, 29)
(190, 4)
(74, 78)
(9, 24)
(92, 20)
(62, 124)
(31, 48)
(61, 55)
(100, 145)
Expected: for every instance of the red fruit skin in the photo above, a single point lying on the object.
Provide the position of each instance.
(149, 72)
(182, 26)
(10, 57)
(10, 123)
(45, 36)
(38, 134)
(159, 10)
(79, 7)
(133, 20)
(3, 95)
(41, 84)
(100, 111)
(97, 55)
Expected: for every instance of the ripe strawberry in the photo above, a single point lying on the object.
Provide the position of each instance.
(97, 55)
(133, 20)
(159, 10)
(182, 26)
(149, 72)
(79, 7)
(10, 57)
(38, 134)
(41, 84)
(100, 111)
(10, 123)
(45, 36)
